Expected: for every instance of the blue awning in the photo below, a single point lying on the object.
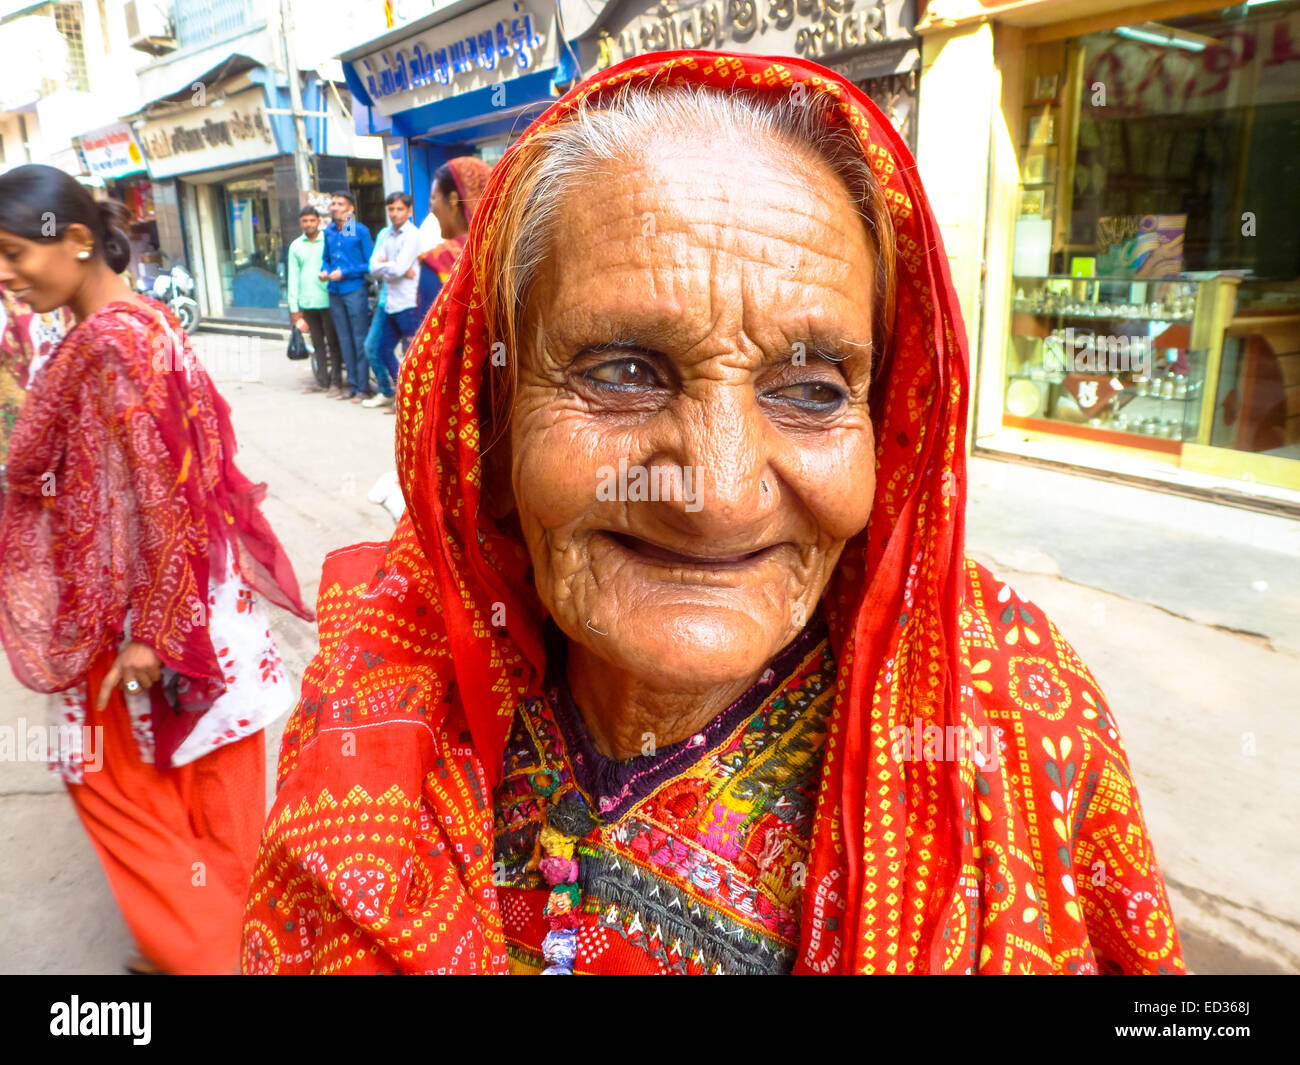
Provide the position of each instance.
(505, 107)
(500, 107)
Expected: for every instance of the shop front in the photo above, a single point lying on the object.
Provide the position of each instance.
(229, 154)
(466, 80)
(222, 154)
(1141, 305)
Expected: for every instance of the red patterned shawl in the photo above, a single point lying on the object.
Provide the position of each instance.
(123, 494)
(382, 860)
(443, 255)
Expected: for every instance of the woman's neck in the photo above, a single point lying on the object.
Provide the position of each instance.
(100, 289)
(626, 716)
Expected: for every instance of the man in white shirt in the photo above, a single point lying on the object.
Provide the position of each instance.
(394, 263)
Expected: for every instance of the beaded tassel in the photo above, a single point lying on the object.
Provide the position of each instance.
(566, 823)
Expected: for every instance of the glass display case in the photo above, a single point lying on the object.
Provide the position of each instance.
(1114, 356)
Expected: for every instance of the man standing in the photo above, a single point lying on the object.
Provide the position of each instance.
(344, 265)
(309, 299)
(393, 262)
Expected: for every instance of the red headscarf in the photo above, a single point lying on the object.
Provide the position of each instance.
(123, 496)
(916, 865)
(471, 176)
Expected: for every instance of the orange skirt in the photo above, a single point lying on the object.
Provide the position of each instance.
(177, 845)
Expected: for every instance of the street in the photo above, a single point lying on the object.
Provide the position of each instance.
(1188, 613)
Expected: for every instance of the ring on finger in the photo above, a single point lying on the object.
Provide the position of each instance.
(133, 686)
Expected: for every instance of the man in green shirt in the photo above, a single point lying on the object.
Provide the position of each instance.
(309, 299)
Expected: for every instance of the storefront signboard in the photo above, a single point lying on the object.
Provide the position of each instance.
(491, 45)
(810, 29)
(110, 152)
(230, 130)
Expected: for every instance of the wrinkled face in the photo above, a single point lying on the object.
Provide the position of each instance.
(691, 445)
(44, 274)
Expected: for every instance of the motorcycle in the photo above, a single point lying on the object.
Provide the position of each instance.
(173, 288)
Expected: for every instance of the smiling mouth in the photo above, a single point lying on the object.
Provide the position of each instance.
(657, 555)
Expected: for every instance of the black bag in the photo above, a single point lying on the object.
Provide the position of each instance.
(297, 344)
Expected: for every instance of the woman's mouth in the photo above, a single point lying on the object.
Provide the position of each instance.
(659, 555)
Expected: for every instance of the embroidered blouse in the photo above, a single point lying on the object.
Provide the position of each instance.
(699, 852)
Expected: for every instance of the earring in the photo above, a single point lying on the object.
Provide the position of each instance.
(84, 253)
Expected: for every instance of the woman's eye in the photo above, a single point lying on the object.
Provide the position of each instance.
(631, 374)
(816, 396)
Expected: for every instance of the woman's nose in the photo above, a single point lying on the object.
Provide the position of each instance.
(724, 451)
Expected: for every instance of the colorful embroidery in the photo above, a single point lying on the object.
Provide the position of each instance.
(698, 864)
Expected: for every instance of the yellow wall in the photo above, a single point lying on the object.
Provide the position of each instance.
(999, 251)
(957, 101)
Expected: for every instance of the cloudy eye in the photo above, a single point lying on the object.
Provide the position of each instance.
(818, 397)
(626, 374)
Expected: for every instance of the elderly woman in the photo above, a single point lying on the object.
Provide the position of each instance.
(675, 663)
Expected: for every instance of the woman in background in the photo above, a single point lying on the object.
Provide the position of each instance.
(132, 556)
(457, 186)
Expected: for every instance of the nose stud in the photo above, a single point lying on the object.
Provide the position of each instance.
(764, 484)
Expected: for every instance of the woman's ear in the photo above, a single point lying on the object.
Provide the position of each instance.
(79, 240)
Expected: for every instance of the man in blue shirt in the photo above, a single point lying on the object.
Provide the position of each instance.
(395, 262)
(344, 266)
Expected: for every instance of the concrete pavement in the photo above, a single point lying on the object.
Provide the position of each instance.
(1155, 592)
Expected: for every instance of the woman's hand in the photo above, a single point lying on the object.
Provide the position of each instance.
(137, 663)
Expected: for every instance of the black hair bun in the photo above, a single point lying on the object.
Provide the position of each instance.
(115, 243)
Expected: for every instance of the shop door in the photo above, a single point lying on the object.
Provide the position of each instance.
(251, 268)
